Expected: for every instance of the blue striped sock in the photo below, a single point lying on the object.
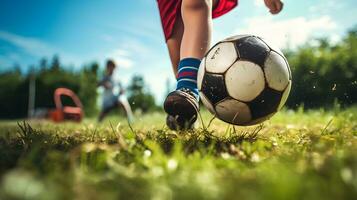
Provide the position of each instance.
(187, 74)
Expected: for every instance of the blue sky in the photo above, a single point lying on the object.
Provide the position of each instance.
(130, 32)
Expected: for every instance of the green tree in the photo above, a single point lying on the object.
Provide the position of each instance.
(12, 104)
(88, 89)
(139, 95)
(325, 73)
(14, 87)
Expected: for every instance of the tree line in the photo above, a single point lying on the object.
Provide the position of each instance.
(324, 75)
(48, 76)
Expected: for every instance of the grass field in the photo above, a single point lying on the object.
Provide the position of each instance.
(295, 155)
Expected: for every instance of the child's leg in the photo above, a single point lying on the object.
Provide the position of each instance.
(103, 114)
(174, 44)
(182, 104)
(105, 111)
(197, 20)
(123, 101)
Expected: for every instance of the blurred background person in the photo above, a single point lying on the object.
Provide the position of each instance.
(111, 100)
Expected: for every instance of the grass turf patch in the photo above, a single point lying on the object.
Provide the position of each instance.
(295, 155)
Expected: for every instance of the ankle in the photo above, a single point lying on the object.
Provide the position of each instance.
(187, 74)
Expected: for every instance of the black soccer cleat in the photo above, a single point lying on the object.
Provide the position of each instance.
(182, 109)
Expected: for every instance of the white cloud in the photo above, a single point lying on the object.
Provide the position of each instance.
(31, 45)
(326, 6)
(259, 3)
(35, 47)
(121, 58)
(288, 32)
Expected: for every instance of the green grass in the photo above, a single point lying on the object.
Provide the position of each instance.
(295, 155)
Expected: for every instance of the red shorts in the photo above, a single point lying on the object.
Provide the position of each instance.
(171, 9)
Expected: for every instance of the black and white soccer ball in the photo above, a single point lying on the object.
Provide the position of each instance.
(244, 80)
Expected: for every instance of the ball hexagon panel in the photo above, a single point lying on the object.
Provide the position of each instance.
(201, 73)
(266, 103)
(274, 48)
(271, 45)
(213, 87)
(276, 71)
(221, 57)
(233, 111)
(244, 80)
(252, 49)
(285, 96)
(236, 37)
(207, 103)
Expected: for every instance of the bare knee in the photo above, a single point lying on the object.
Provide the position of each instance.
(196, 5)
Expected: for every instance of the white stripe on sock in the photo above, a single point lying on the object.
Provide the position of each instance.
(194, 68)
(186, 79)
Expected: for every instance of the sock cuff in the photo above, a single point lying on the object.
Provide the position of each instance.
(189, 62)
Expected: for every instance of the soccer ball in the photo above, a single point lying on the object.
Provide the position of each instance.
(243, 80)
